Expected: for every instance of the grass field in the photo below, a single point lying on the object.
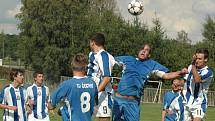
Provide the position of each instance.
(149, 112)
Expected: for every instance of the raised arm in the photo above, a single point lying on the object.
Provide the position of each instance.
(172, 75)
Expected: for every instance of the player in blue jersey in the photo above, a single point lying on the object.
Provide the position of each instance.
(37, 98)
(80, 91)
(197, 85)
(173, 107)
(100, 69)
(130, 88)
(13, 95)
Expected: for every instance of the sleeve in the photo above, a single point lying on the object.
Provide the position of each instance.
(60, 93)
(105, 64)
(158, 73)
(208, 76)
(120, 60)
(158, 66)
(165, 102)
(158, 69)
(3, 96)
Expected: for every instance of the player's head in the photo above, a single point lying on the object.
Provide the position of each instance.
(201, 57)
(38, 77)
(97, 40)
(79, 63)
(177, 84)
(144, 52)
(17, 75)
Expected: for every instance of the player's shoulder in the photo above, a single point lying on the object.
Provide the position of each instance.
(169, 94)
(105, 53)
(46, 86)
(151, 61)
(209, 70)
(30, 86)
(6, 87)
(206, 71)
(126, 58)
(90, 79)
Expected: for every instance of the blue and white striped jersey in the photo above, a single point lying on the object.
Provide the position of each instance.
(197, 91)
(177, 107)
(41, 96)
(135, 74)
(13, 97)
(100, 65)
(173, 101)
(80, 93)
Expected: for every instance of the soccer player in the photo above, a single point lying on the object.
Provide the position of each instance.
(100, 69)
(196, 86)
(37, 97)
(80, 91)
(130, 88)
(173, 107)
(13, 98)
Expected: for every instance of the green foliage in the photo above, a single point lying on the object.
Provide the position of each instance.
(8, 46)
(52, 31)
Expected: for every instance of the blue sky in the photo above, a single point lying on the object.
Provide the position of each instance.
(175, 15)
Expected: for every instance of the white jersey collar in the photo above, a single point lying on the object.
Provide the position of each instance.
(79, 77)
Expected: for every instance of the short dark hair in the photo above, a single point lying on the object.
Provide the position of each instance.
(203, 51)
(99, 39)
(142, 47)
(79, 63)
(14, 72)
(36, 73)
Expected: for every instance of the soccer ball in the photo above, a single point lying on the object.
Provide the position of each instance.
(135, 7)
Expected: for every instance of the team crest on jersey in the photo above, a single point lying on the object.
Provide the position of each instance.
(39, 93)
(18, 97)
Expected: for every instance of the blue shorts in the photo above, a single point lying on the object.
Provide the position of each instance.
(125, 110)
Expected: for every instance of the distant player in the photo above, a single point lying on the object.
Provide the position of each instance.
(37, 97)
(136, 71)
(80, 91)
(100, 69)
(197, 85)
(13, 98)
(173, 107)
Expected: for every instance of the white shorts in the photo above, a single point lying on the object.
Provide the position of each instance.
(103, 108)
(195, 110)
(31, 118)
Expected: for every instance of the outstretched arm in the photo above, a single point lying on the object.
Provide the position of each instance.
(175, 74)
(8, 107)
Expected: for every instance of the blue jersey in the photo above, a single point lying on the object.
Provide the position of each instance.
(169, 102)
(80, 93)
(135, 74)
